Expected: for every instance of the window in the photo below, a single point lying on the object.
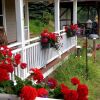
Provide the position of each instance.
(1, 14)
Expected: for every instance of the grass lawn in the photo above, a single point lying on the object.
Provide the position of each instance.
(37, 26)
(76, 66)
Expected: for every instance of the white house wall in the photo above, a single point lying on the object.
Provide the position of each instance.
(10, 20)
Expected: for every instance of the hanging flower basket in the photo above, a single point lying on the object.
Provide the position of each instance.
(71, 30)
(49, 39)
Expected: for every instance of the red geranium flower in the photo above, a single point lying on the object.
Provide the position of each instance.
(23, 65)
(66, 28)
(64, 89)
(44, 40)
(71, 95)
(45, 33)
(75, 80)
(42, 92)
(82, 90)
(82, 98)
(28, 93)
(97, 46)
(3, 75)
(8, 60)
(74, 27)
(52, 83)
(7, 66)
(17, 58)
(38, 76)
(53, 37)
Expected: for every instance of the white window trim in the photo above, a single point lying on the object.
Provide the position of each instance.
(3, 14)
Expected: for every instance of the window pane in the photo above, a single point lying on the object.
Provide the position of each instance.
(1, 21)
(0, 7)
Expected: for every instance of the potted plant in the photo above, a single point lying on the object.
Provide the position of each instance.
(71, 30)
(50, 39)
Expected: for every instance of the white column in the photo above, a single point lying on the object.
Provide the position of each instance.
(20, 21)
(20, 32)
(75, 16)
(74, 11)
(4, 16)
(27, 18)
(57, 15)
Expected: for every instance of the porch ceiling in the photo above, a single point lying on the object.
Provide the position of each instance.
(78, 0)
(87, 3)
(37, 0)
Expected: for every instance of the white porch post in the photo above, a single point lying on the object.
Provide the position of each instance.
(74, 11)
(20, 31)
(27, 18)
(75, 16)
(4, 16)
(20, 21)
(57, 15)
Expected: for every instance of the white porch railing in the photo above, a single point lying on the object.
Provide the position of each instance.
(36, 57)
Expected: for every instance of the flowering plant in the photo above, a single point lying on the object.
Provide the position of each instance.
(49, 39)
(35, 85)
(98, 47)
(71, 30)
(8, 62)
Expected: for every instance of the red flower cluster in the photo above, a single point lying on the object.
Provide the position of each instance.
(50, 36)
(8, 62)
(68, 94)
(52, 83)
(49, 39)
(75, 80)
(23, 65)
(28, 93)
(17, 58)
(98, 47)
(71, 95)
(42, 92)
(72, 30)
(3, 75)
(64, 89)
(37, 75)
(74, 27)
(5, 51)
(80, 94)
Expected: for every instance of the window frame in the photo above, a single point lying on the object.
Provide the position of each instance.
(1, 15)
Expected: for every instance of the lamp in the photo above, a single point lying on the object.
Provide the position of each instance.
(87, 32)
(89, 24)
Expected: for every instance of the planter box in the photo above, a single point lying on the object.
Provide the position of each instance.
(9, 97)
(38, 98)
(15, 97)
